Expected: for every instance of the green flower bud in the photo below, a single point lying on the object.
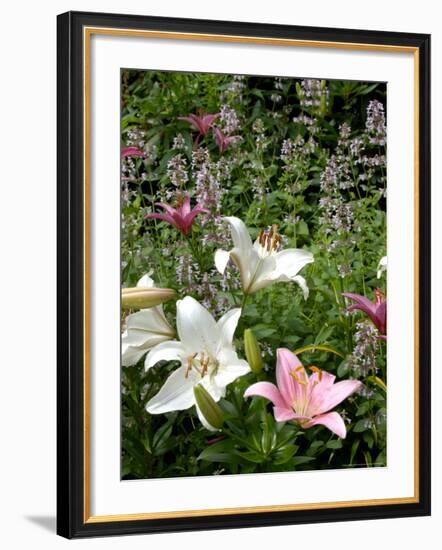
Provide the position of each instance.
(142, 297)
(253, 354)
(208, 407)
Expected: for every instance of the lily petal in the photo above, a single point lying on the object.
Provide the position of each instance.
(289, 263)
(333, 421)
(146, 281)
(166, 351)
(269, 391)
(240, 234)
(196, 327)
(130, 355)
(176, 394)
(283, 414)
(227, 326)
(230, 371)
(333, 395)
(222, 258)
(362, 303)
(286, 363)
(303, 284)
(146, 322)
(260, 272)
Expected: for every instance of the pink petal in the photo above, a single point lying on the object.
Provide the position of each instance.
(283, 414)
(207, 121)
(286, 362)
(169, 209)
(362, 303)
(327, 398)
(267, 390)
(163, 217)
(188, 220)
(381, 315)
(333, 421)
(185, 207)
(193, 120)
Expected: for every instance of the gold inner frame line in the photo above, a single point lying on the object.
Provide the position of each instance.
(87, 33)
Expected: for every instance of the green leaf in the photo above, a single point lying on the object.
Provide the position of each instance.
(251, 456)
(334, 444)
(161, 436)
(297, 460)
(284, 454)
(222, 451)
(354, 449)
(362, 409)
(360, 426)
(314, 347)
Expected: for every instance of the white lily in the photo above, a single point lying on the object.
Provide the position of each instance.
(382, 266)
(144, 330)
(262, 263)
(206, 354)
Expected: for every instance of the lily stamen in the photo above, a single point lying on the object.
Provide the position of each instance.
(190, 364)
(317, 370)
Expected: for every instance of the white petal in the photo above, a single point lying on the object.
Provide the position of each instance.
(222, 258)
(166, 351)
(146, 323)
(146, 281)
(131, 355)
(197, 329)
(382, 266)
(240, 234)
(229, 372)
(243, 262)
(176, 393)
(227, 326)
(290, 262)
(302, 283)
(262, 272)
(209, 383)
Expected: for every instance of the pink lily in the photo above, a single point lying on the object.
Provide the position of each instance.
(201, 123)
(132, 152)
(181, 217)
(305, 399)
(223, 141)
(377, 310)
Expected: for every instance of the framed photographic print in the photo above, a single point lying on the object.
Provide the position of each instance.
(228, 197)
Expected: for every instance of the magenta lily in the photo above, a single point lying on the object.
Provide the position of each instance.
(181, 217)
(377, 310)
(132, 152)
(223, 141)
(305, 399)
(201, 123)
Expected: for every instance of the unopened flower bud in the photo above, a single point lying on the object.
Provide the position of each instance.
(253, 354)
(142, 298)
(209, 408)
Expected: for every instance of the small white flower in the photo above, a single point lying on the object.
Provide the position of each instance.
(206, 354)
(262, 263)
(382, 266)
(144, 330)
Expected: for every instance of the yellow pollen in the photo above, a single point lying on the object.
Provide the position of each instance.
(296, 378)
(270, 240)
(189, 364)
(316, 370)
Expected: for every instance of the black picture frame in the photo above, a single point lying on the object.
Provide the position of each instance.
(71, 519)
